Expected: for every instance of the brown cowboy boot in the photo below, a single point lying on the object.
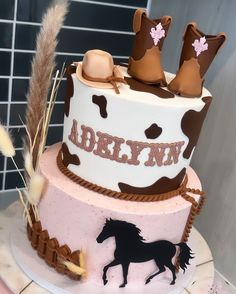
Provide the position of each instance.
(197, 54)
(144, 63)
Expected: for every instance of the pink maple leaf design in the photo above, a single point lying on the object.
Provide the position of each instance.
(157, 33)
(200, 45)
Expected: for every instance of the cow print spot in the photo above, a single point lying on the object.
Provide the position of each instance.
(191, 125)
(101, 102)
(69, 88)
(153, 131)
(68, 158)
(153, 89)
(162, 185)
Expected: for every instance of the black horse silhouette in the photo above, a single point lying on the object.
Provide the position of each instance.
(131, 248)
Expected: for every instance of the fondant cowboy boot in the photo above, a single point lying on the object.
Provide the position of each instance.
(197, 54)
(145, 61)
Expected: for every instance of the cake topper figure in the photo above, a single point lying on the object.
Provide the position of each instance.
(145, 60)
(197, 54)
(131, 248)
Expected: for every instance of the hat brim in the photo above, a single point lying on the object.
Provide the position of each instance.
(116, 72)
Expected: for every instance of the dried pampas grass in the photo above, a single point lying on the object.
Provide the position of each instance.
(6, 145)
(43, 66)
(74, 268)
(28, 163)
(36, 186)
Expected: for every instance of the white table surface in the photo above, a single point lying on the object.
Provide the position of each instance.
(17, 281)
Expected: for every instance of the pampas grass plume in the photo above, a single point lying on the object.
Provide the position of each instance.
(82, 264)
(28, 163)
(74, 268)
(36, 186)
(6, 145)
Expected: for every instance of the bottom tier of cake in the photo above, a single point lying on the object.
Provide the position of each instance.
(136, 239)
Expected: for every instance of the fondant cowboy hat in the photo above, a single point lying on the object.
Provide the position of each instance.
(98, 70)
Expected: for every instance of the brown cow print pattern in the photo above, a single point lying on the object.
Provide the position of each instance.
(191, 125)
(101, 102)
(153, 131)
(69, 88)
(68, 158)
(162, 185)
(152, 89)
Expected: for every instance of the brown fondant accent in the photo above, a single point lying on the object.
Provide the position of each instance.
(63, 253)
(153, 89)
(206, 57)
(148, 69)
(191, 125)
(112, 80)
(50, 250)
(153, 131)
(36, 228)
(69, 158)
(142, 26)
(144, 63)
(29, 231)
(195, 209)
(189, 79)
(101, 102)
(162, 185)
(69, 88)
(188, 82)
(43, 238)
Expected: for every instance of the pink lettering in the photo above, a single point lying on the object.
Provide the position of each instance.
(108, 146)
(174, 152)
(87, 139)
(136, 148)
(116, 151)
(102, 145)
(156, 154)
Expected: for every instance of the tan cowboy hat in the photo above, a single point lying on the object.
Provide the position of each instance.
(98, 70)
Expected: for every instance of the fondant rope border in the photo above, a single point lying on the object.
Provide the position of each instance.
(118, 195)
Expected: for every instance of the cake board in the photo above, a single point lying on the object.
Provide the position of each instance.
(34, 267)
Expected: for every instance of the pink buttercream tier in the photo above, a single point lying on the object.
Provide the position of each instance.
(76, 216)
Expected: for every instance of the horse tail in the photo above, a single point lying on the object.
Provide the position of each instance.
(184, 256)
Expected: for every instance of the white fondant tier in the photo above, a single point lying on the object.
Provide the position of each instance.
(125, 119)
(76, 216)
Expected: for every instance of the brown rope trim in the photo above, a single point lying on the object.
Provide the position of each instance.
(119, 195)
(50, 250)
(195, 210)
(112, 80)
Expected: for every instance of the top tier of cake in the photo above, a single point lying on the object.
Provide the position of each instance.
(138, 141)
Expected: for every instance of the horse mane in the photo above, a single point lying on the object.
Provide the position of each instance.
(128, 228)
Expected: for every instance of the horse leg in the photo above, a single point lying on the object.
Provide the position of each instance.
(105, 269)
(173, 270)
(161, 270)
(125, 267)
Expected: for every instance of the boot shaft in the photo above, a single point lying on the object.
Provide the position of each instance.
(145, 61)
(200, 46)
(142, 26)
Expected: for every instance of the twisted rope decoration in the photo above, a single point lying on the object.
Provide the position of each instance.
(115, 194)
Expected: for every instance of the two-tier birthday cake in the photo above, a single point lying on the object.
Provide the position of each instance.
(119, 186)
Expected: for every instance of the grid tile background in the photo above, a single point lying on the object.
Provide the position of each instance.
(106, 25)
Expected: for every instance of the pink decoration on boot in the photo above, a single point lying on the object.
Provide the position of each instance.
(157, 33)
(200, 45)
